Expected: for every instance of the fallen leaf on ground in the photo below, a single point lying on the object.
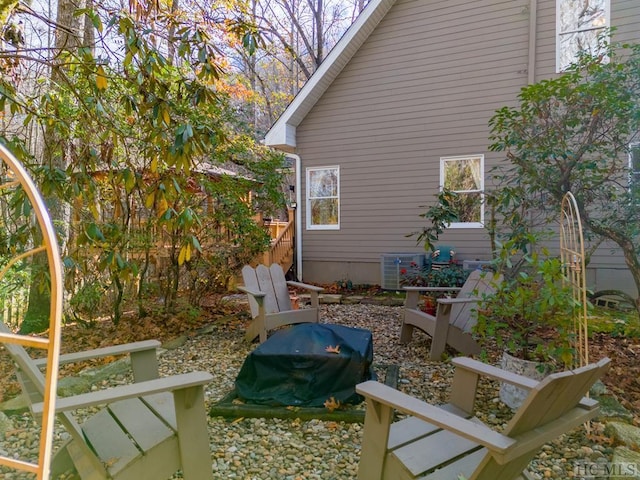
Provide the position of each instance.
(332, 404)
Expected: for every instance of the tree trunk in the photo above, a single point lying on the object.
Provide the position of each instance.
(37, 315)
(319, 27)
(89, 35)
(171, 48)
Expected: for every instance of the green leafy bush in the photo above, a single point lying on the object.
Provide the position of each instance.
(525, 305)
(452, 275)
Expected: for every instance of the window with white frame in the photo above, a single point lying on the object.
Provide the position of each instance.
(464, 175)
(323, 198)
(578, 25)
(634, 172)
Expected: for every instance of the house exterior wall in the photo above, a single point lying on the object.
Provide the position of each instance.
(423, 86)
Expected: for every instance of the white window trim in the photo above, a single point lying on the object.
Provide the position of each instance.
(308, 199)
(633, 146)
(607, 12)
(479, 224)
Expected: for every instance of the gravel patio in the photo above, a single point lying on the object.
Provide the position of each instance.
(294, 449)
(258, 448)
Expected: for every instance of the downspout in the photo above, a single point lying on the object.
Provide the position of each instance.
(533, 20)
(298, 216)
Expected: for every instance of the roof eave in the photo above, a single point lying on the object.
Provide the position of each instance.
(282, 135)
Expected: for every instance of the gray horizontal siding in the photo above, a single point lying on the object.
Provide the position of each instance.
(403, 104)
(608, 254)
(625, 15)
(424, 85)
(546, 39)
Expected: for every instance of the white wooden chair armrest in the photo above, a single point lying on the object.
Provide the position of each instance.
(134, 390)
(257, 294)
(476, 432)
(413, 294)
(467, 374)
(313, 291)
(104, 352)
(144, 361)
(466, 377)
(451, 301)
(311, 288)
(495, 373)
(432, 289)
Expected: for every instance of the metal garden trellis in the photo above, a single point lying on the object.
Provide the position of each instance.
(15, 176)
(573, 262)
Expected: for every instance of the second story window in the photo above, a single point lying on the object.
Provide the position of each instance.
(579, 23)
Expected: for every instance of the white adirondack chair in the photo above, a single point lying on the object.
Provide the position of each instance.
(446, 442)
(148, 429)
(270, 302)
(455, 317)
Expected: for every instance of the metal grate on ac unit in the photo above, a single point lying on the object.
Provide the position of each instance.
(475, 264)
(391, 266)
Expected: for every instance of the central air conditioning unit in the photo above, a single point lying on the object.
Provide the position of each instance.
(392, 264)
(475, 264)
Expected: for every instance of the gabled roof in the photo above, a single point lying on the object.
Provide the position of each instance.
(282, 134)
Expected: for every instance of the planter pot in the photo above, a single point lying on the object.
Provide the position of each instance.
(295, 300)
(430, 305)
(513, 396)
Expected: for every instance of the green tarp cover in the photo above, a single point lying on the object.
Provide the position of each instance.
(296, 366)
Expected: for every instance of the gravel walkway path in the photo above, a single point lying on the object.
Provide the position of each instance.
(262, 449)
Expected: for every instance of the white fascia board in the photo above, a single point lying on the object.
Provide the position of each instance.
(282, 135)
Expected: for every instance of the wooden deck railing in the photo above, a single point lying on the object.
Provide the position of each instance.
(281, 250)
(276, 227)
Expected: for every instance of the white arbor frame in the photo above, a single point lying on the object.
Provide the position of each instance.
(573, 262)
(17, 177)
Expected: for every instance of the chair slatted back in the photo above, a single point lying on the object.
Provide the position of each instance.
(280, 287)
(553, 398)
(272, 282)
(477, 284)
(250, 281)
